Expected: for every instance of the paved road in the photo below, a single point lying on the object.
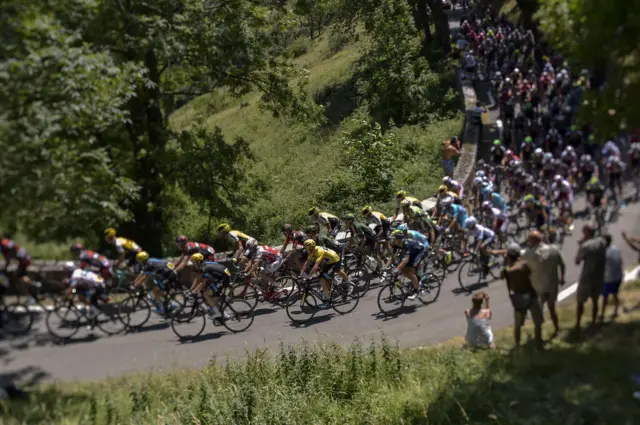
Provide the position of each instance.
(156, 348)
(34, 358)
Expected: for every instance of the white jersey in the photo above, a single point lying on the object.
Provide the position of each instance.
(563, 187)
(86, 278)
(497, 213)
(481, 233)
(569, 157)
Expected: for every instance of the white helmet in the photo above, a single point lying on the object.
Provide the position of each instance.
(557, 178)
(446, 180)
(251, 244)
(480, 173)
(477, 181)
(69, 266)
(538, 151)
(471, 222)
(569, 148)
(486, 205)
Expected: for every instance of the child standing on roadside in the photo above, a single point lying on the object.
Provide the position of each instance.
(479, 334)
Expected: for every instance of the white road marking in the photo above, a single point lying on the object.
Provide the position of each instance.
(631, 275)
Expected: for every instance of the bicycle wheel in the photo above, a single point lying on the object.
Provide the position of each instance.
(64, 322)
(469, 271)
(16, 319)
(302, 305)
(344, 298)
(245, 291)
(134, 311)
(361, 280)
(237, 315)
(108, 319)
(430, 288)
(391, 298)
(286, 286)
(188, 321)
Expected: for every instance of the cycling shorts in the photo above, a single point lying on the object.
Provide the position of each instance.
(216, 283)
(501, 224)
(415, 257)
(615, 179)
(23, 265)
(273, 267)
(326, 267)
(335, 228)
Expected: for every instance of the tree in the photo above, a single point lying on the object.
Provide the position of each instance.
(601, 36)
(315, 14)
(210, 170)
(371, 155)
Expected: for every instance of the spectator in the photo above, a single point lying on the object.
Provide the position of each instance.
(592, 253)
(523, 296)
(632, 241)
(613, 275)
(479, 333)
(545, 261)
(450, 150)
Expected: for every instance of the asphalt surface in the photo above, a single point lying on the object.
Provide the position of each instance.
(35, 358)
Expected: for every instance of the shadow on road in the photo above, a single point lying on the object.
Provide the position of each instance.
(203, 337)
(263, 311)
(149, 328)
(406, 309)
(471, 288)
(314, 321)
(27, 376)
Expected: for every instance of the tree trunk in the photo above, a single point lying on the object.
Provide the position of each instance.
(441, 23)
(527, 9)
(424, 22)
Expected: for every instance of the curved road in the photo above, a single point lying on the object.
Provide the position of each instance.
(34, 358)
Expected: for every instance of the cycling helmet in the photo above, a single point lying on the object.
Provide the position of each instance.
(594, 180)
(485, 185)
(181, 239)
(142, 256)
(557, 178)
(309, 244)
(310, 230)
(69, 265)
(477, 181)
(76, 247)
(538, 151)
(367, 210)
(224, 227)
(497, 142)
(480, 173)
(401, 194)
(470, 222)
(528, 140)
(251, 244)
(314, 210)
(529, 198)
(349, 217)
(446, 180)
(109, 232)
(548, 156)
(487, 205)
(442, 188)
(397, 234)
(197, 258)
(569, 148)
(509, 152)
(287, 228)
(403, 227)
(586, 158)
(406, 203)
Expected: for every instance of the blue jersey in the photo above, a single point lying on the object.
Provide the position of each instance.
(414, 235)
(154, 266)
(454, 210)
(498, 202)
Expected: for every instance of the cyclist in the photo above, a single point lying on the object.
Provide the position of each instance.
(297, 238)
(324, 241)
(13, 251)
(595, 191)
(187, 249)
(236, 237)
(562, 191)
(497, 152)
(411, 254)
(382, 225)
(162, 274)
(453, 186)
(330, 221)
(368, 242)
(497, 219)
(536, 211)
(613, 168)
(443, 191)
(610, 149)
(548, 166)
(418, 218)
(537, 157)
(88, 285)
(126, 248)
(569, 157)
(325, 260)
(401, 195)
(93, 259)
(588, 168)
(526, 149)
(483, 237)
(215, 277)
(263, 259)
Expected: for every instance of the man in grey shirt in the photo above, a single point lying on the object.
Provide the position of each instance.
(592, 253)
(613, 275)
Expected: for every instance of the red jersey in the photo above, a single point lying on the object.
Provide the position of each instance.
(267, 254)
(207, 252)
(11, 250)
(91, 258)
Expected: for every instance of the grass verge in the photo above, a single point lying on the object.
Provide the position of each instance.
(376, 383)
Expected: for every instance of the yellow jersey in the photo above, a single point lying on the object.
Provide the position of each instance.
(320, 254)
(326, 218)
(237, 235)
(376, 218)
(414, 201)
(126, 245)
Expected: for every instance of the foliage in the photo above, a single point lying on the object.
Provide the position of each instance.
(210, 170)
(603, 37)
(315, 14)
(372, 156)
(374, 383)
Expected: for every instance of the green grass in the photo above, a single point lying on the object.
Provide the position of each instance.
(374, 383)
(292, 159)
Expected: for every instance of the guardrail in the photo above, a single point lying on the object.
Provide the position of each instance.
(470, 138)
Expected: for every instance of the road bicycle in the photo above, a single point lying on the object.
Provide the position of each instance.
(135, 308)
(307, 301)
(397, 289)
(474, 269)
(255, 289)
(189, 320)
(66, 319)
(15, 318)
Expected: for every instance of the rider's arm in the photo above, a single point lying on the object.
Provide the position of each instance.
(182, 262)
(140, 279)
(403, 263)
(316, 266)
